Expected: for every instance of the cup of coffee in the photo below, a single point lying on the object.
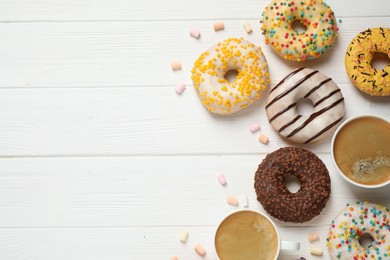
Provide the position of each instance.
(249, 235)
(361, 151)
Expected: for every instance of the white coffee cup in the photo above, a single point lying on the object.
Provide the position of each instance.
(236, 236)
(341, 126)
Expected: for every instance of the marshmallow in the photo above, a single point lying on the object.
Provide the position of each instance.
(245, 202)
(232, 201)
(264, 139)
(222, 180)
(174, 258)
(183, 236)
(247, 27)
(254, 127)
(180, 88)
(176, 65)
(218, 26)
(200, 250)
(316, 251)
(195, 33)
(313, 237)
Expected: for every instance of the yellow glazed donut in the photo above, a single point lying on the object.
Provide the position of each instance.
(219, 95)
(315, 15)
(358, 61)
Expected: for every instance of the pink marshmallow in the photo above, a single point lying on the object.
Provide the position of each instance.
(222, 180)
(218, 26)
(263, 139)
(254, 127)
(195, 33)
(180, 88)
(232, 201)
(200, 250)
(176, 65)
(313, 237)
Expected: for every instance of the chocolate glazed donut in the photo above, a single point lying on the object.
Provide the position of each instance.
(273, 194)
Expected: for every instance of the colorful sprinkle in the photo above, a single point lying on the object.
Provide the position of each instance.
(278, 20)
(345, 232)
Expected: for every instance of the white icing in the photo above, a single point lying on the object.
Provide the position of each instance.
(218, 94)
(330, 117)
(347, 246)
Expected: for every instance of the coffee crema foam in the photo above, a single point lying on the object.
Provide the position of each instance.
(362, 150)
(367, 169)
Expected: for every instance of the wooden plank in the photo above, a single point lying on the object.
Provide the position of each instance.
(128, 243)
(137, 53)
(168, 191)
(73, 10)
(139, 121)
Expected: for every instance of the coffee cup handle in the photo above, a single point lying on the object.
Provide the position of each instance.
(289, 245)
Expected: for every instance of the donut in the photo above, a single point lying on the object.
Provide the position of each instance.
(304, 83)
(358, 61)
(321, 28)
(356, 220)
(219, 95)
(273, 194)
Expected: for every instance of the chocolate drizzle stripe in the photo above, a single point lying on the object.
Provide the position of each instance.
(288, 76)
(324, 130)
(326, 97)
(289, 123)
(283, 111)
(313, 116)
(291, 88)
(317, 87)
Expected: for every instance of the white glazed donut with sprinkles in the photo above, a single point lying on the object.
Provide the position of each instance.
(315, 15)
(219, 95)
(304, 83)
(351, 224)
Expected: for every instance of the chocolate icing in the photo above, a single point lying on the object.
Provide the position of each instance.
(284, 79)
(277, 200)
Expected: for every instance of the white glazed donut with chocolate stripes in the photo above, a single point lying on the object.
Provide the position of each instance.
(304, 83)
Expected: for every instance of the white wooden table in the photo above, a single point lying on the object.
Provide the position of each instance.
(100, 159)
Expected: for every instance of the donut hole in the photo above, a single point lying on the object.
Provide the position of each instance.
(299, 27)
(292, 183)
(379, 60)
(366, 240)
(231, 75)
(305, 107)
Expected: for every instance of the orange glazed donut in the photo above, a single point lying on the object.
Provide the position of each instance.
(315, 15)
